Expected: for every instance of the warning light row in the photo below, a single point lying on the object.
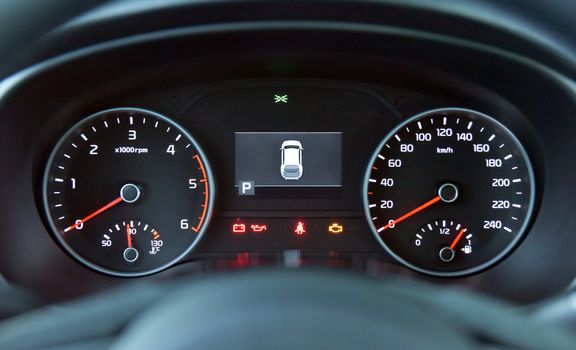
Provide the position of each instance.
(299, 229)
(242, 228)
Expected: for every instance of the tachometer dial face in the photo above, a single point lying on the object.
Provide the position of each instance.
(449, 163)
(128, 192)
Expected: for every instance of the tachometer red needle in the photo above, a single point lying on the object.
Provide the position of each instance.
(457, 239)
(128, 236)
(97, 212)
(409, 214)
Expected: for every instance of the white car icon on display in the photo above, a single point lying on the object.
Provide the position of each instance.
(291, 168)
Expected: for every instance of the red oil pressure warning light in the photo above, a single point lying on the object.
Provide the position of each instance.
(258, 228)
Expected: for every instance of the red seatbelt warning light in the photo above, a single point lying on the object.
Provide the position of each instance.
(300, 229)
(258, 228)
(238, 228)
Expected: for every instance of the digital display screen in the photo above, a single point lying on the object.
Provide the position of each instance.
(287, 159)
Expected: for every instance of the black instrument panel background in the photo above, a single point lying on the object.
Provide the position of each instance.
(543, 123)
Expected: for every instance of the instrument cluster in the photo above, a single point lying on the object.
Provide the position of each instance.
(288, 167)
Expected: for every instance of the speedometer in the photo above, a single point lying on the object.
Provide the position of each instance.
(449, 192)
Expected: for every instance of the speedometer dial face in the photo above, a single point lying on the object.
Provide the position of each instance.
(128, 192)
(449, 192)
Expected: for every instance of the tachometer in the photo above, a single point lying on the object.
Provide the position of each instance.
(449, 192)
(128, 192)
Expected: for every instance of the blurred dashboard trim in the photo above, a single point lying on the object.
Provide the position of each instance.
(16, 79)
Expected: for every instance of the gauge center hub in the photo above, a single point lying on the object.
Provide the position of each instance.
(130, 193)
(448, 192)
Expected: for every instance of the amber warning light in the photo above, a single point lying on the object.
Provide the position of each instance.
(335, 228)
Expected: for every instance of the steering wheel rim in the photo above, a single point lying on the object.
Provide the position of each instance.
(287, 309)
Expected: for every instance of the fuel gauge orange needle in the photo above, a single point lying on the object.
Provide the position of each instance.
(393, 223)
(97, 212)
(457, 239)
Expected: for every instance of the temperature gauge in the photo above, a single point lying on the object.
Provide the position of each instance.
(132, 241)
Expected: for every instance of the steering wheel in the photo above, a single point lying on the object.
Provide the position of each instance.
(283, 309)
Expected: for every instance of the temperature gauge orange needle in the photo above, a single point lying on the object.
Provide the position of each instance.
(128, 236)
(393, 223)
(97, 212)
(457, 239)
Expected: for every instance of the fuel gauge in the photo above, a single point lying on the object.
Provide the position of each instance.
(443, 242)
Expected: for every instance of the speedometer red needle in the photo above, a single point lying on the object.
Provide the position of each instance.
(97, 212)
(409, 214)
(128, 236)
(457, 239)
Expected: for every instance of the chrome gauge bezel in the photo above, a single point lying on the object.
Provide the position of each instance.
(522, 231)
(55, 231)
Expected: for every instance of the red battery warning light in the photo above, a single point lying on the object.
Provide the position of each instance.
(238, 228)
